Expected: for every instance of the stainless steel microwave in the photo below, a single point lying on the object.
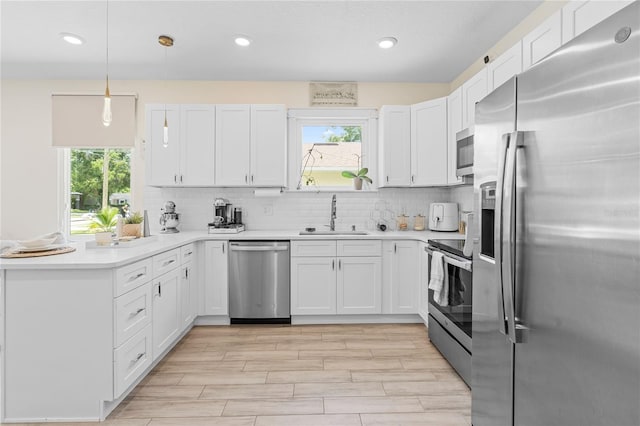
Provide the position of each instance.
(464, 152)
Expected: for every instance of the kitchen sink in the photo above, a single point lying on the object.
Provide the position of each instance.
(324, 233)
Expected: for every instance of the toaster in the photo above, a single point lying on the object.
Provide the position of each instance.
(443, 217)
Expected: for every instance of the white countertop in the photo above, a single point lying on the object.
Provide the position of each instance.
(91, 258)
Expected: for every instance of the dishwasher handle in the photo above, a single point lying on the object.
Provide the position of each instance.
(241, 247)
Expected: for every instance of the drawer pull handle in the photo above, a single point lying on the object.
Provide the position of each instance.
(133, 314)
(168, 262)
(189, 253)
(133, 278)
(138, 358)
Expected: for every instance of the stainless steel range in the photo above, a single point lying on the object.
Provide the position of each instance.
(450, 303)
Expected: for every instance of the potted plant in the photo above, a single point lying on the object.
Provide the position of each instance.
(103, 223)
(132, 226)
(358, 177)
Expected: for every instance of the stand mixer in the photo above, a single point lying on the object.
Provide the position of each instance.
(169, 219)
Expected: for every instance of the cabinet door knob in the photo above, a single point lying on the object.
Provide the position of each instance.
(387, 179)
(339, 264)
(333, 265)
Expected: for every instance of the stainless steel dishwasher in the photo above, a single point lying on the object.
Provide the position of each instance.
(259, 284)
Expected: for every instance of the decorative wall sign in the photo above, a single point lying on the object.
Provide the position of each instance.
(333, 94)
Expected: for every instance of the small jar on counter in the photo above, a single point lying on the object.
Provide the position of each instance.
(403, 222)
(418, 223)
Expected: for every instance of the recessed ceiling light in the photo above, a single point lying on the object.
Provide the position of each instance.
(242, 40)
(387, 42)
(72, 38)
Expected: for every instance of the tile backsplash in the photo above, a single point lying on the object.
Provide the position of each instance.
(295, 211)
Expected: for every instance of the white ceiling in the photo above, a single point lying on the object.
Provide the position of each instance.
(293, 40)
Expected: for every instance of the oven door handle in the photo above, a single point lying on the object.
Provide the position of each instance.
(466, 265)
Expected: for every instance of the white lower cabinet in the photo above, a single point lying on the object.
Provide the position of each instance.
(313, 285)
(323, 283)
(131, 359)
(359, 285)
(188, 295)
(401, 267)
(423, 257)
(166, 311)
(216, 278)
(132, 312)
(188, 286)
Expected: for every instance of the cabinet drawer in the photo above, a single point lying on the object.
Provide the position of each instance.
(359, 248)
(131, 360)
(132, 313)
(187, 252)
(164, 262)
(313, 248)
(132, 276)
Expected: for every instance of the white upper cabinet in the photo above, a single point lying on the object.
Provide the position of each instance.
(250, 145)
(268, 163)
(543, 40)
(395, 145)
(454, 125)
(197, 133)
(505, 66)
(579, 16)
(473, 90)
(233, 139)
(429, 143)
(188, 157)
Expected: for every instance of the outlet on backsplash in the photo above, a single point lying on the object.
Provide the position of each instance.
(268, 210)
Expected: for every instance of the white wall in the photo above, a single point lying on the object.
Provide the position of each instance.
(29, 168)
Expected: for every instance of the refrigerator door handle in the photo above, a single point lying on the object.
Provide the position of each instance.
(508, 243)
(504, 147)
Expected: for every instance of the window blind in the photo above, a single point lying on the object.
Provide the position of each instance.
(77, 121)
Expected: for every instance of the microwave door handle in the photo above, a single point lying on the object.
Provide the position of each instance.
(497, 238)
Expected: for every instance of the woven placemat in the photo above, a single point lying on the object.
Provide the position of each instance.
(13, 255)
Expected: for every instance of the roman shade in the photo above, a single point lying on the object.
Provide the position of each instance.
(77, 121)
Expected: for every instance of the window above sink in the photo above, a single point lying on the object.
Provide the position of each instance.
(324, 142)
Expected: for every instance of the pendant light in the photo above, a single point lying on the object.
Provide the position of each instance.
(106, 109)
(167, 42)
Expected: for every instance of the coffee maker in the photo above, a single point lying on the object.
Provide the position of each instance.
(222, 212)
(225, 219)
(169, 219)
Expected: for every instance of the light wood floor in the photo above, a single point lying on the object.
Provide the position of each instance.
(311, 375)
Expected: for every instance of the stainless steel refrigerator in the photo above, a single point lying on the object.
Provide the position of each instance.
(556, 262)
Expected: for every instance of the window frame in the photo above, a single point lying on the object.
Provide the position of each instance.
(366, 118)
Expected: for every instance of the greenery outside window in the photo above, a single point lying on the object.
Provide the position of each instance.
(98, 178)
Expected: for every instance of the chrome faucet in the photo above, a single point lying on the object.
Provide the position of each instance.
(332, 220)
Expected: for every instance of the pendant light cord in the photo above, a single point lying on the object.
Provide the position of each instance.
(107, 53)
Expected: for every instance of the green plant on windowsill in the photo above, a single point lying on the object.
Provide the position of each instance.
(132, 226)
(105, 220)
(133, 219)
(359, 176)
